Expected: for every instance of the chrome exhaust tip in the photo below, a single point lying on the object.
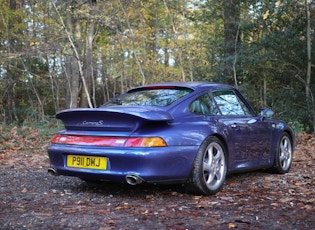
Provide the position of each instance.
(52, 172)
(133, 179)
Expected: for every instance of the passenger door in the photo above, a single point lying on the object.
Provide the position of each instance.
(249, 136)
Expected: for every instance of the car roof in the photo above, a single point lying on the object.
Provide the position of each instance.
(195, 85)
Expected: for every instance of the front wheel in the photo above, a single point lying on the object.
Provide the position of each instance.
(284, 154)
(209, 169)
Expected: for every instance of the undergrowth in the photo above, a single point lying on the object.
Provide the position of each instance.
(29, 136)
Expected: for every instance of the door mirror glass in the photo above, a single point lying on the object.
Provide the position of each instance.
(266, 112)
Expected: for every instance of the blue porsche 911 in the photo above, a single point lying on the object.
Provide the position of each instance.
(194, 133)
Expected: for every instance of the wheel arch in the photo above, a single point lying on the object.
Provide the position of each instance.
(277, 164)
(285, 128)
(194, 184)
(291, 135)
(226, 147)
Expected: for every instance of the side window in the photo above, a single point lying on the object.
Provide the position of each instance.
(204, 106)
(230, 104)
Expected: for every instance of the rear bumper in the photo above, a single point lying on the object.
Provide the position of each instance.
(153, 165)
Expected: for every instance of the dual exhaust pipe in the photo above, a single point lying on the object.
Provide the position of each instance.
(133, 179)
(52, 171)
(130, 178)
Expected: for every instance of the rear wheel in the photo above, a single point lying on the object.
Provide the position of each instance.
(284, 154)
(210, 167)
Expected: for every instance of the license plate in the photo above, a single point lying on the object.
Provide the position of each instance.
(87, 162)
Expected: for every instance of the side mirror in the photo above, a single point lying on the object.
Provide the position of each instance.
(266, 112)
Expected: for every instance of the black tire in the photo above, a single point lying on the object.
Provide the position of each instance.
(283, 155)
(209, 169)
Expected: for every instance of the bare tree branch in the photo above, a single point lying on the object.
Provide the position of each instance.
(76, 54)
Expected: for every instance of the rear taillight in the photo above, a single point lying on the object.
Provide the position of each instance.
(145, 142)
(109, 141)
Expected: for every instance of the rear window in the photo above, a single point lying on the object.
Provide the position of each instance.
(150, 97)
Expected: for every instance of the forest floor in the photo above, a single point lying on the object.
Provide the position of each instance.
(32, 199)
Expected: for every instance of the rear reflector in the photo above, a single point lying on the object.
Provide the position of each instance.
(109, 141)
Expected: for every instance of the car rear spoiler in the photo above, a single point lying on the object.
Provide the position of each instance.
(112, 118)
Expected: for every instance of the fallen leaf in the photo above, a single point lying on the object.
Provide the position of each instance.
(231, 225)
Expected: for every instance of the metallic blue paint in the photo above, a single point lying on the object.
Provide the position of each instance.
(250, 141)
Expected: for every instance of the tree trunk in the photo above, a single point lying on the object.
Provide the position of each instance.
(231, 38)
(71, 65)
(309, 50)
(15, 46)
(88, 58)
(308, 92)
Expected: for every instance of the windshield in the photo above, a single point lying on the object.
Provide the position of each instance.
(150, 97)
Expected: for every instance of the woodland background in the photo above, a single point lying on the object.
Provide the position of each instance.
(57, 54)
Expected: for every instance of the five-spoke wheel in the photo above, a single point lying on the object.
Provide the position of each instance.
(283, 156)
(209, 169)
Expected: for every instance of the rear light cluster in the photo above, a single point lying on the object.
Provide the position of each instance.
(109, 141)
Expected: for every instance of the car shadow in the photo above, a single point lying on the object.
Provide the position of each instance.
(123, 189)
